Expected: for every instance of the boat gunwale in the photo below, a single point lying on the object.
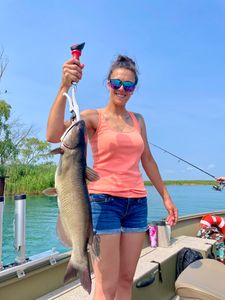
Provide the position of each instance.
(199, 215)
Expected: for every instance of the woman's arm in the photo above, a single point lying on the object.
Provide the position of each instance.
(153, 174)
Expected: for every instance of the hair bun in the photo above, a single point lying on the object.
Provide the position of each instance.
(123, 61)
(121, 58)
(126, 59)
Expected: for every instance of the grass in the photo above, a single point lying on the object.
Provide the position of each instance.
(185, 182)
(30, 180)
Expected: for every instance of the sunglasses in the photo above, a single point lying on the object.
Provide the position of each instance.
(128, 86)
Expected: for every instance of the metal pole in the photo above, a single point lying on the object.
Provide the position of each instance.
(2, 202)
(20, 227)
(2, 185)
(2, 198)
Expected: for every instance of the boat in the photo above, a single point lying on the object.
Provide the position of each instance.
(41, 276)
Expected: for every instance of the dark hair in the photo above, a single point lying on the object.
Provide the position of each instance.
(125, 62)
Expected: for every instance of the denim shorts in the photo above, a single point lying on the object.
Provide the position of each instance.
(112, 214)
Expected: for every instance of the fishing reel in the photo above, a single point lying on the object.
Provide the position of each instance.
(219, 187)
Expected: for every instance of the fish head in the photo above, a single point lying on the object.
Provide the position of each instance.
(74, 136)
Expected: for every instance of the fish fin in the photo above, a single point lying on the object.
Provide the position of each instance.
(90, 234)
(71, 272)
(85, 277)
(91, 175)
(52, 192)
(57, 151)
(65, 240)
(95, 247)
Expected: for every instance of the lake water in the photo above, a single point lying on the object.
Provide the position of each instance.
(41, 216)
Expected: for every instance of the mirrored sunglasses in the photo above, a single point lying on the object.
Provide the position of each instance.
(128, 86)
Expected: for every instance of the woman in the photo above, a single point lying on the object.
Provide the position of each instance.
(118, 199)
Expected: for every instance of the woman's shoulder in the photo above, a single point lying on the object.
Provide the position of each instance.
(140, 120)
(88, 113)
(138, 116)
(90, 116)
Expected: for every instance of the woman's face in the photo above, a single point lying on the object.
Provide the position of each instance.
(120, 96)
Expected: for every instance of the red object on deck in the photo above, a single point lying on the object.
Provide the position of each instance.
(209, 220)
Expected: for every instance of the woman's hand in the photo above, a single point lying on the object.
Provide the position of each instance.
(72, 72)
(221, 180)
(172, 212)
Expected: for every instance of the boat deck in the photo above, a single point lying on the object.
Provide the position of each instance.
(148, 262)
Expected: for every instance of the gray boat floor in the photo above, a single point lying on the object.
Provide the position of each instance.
(74, 291)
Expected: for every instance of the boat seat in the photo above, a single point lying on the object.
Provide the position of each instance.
(202, 280)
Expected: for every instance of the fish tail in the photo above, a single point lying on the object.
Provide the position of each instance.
(71, 272)
(84, 274)
(85, 279)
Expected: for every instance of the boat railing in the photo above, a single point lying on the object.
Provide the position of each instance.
(1, 228)
(35, 261)
(22, 264)
(2, 203)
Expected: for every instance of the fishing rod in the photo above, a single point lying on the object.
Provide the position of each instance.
(218, 187)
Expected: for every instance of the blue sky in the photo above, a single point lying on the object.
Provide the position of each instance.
(180, 50)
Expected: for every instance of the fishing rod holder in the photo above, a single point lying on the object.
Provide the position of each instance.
(2, 185)
(2, 204)
(2, 201)
(20, 228)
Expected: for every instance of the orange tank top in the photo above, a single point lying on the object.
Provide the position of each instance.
(116, 159)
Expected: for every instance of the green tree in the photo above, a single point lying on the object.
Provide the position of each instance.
(6, 145)
(16, 145)
(8, 150)
(34, 151)
(18, 151)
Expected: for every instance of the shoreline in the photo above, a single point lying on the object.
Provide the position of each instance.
(185, 182)
(146, 183)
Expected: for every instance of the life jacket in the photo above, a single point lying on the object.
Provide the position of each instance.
(215, 234)
(208, 221)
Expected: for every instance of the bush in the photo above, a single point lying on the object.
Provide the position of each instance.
(29, 179)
